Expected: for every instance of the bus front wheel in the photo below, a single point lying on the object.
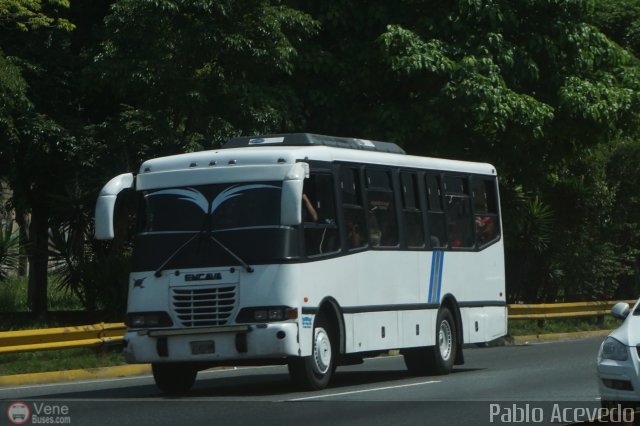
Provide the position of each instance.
(174, 378)
(438, 359)
(314, 372)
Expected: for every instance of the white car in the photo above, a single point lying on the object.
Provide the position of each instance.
(619, 359)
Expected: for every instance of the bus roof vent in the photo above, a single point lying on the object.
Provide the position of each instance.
(309, 139)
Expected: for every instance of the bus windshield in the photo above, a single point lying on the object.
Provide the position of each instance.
(210, 207)
(242, 217)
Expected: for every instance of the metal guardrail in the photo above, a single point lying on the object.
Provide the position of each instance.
(562, 310)
(61, 338)
(101, 334)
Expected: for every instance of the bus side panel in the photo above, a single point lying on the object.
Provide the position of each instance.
(417, 328)
(474, 276)
(376, 330)
(475, 324)
(335, 278)
(392, 277)
(484, 324)
(476, 280)
(496, 322)
(368, 286)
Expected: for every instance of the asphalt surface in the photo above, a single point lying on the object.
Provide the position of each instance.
(495, 386)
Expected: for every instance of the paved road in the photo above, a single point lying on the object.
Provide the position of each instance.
(378, 392)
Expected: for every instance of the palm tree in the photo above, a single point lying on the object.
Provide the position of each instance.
(9, 250)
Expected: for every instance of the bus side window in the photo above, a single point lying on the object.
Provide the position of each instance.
(319, 219)
(413, 226)
(353, 208)
(435, 212)
(485, 209)
(458, 212)
(383, 224)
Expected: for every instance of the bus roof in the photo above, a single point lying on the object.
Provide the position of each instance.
(310, 139)
(280, 149)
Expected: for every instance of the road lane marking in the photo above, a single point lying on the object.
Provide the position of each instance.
(363, 391)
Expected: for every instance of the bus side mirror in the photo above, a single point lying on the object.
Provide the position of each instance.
(291, 202)
(106, 203)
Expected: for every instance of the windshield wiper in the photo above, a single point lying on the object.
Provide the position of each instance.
(246, 266)
(158, 272)
(235, 256)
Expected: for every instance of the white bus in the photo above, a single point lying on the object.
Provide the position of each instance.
(311, 251)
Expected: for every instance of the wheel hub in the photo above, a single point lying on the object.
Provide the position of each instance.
(445, 340)
(321, 351)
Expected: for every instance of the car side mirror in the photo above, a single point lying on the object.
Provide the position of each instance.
(620, 310)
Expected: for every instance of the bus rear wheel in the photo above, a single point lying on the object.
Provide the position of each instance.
(174, 378)
(314, 372)
(438, 359)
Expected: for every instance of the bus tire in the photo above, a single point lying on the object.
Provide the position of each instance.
(174, 378)
(314, 372)
(438, 359)
(444, 352)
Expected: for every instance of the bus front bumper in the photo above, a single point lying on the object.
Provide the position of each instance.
(244, 342)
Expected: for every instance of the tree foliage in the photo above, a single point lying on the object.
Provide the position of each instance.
(185, 75)
(620, 21)
(27, 15)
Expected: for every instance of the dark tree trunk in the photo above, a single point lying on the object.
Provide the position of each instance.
(23, 240)
(38, 260)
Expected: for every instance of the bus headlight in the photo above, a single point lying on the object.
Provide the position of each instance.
(267, 314)
(613, 349)
(148, 319)
(276, 314)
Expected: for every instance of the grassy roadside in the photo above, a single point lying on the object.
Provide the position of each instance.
(13, 296)
(568, 325)
(69, 359)
(58, 360)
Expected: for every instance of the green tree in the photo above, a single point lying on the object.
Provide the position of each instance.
(27, 15)
(620, 21)
(624, 177)
(32, 142)
(178, 75)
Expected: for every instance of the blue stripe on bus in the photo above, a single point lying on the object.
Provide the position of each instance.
(436, 279)
(433, 267)
(440, 275)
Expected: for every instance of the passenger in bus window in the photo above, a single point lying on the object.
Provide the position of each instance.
(485, 229)
(456, 238)
(354, 235)
(309, 213)
(374, 230)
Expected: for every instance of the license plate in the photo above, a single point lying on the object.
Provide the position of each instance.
(203, 347)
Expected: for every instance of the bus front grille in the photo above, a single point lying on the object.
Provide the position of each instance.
(199, 307)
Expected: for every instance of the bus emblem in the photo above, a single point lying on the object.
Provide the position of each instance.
(209, 276)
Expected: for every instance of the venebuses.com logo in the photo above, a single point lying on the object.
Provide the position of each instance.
(18, 413)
